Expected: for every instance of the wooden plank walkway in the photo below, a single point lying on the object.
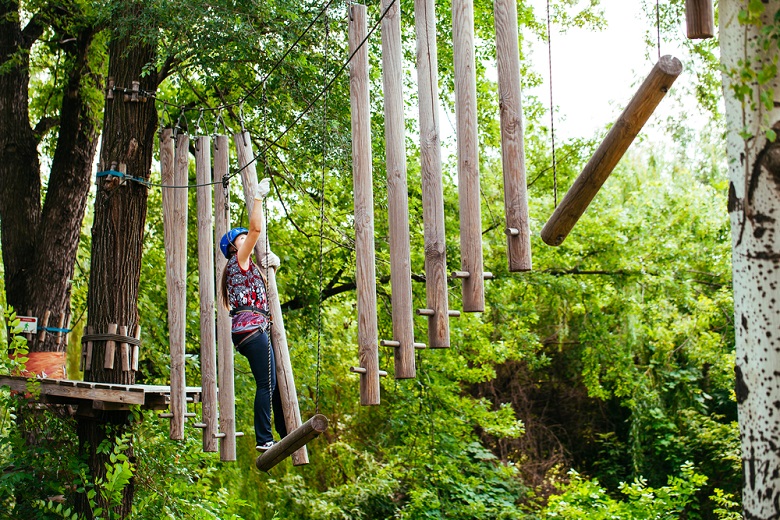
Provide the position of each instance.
(102, 395)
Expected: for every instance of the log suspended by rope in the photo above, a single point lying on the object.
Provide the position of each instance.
(295, 440)
(518, 234)
(432, 187)
(173, 168)
(471, 260)
(699, 19)
(397, 192)
(609, 153)
(225, 376)
(365, 271)
(284, 374)
(208, 354)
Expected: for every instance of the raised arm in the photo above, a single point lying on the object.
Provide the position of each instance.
(255, 224)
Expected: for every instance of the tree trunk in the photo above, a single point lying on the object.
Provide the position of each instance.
(753, 203)
(117, 238)
(39, 245)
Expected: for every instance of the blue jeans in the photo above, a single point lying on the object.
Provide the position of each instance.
(260, 355)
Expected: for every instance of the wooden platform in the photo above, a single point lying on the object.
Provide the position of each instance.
(100, 396)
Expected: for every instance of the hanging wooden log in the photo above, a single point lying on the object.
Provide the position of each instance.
(397, 191)
(284, 374)
(208, 352)
(699, 19)
(173, 168)
(518, 233)
(471, 260)
(432, 187)
(295, 441)
(227, 399)
(365, 271)
(609, 153)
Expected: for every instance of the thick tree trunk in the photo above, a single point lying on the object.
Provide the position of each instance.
(117, 238)
(39, 245)
(754, 200)
(20, 184)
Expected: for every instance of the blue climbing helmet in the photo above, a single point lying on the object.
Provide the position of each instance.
(229, 238)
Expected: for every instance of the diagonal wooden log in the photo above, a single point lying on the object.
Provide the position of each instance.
(295, 440)
(611, 150)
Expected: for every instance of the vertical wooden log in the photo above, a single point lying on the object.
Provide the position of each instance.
(227, 399)
(174, 167)
(699, 19)
(432, 188)
(471, 260)
(608, 154)
(88, 353)
(44, 323)
(60, 325)
(365, 271)
(397, 191)
(136, 349)
(108, 359)
(284, 375)
(518, 233)
(208, 352)
(124, 349)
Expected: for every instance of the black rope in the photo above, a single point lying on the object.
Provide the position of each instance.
(300, 116)
(111, 337)
(658, 26)
(552, 107)
(322, 220)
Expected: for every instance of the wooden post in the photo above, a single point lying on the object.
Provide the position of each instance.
(608, 154)
(42, 326)
(136, 349)
(173, 168)
(208, 352)
(397, 191)
(468, 155)
(108, 360)
(365, 271)
(699, 19)
(225, 378)
(124, 349)
(60, 325)
(432, 188)
(88, 351)
(284, 375)
(294, 441)
(518, 235)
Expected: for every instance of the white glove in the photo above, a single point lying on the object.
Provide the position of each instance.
(263, 187)
(270, 260)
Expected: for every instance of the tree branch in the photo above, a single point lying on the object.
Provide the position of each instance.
(44, 125)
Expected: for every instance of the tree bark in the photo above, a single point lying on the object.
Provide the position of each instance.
(117, 237)
(754, 198)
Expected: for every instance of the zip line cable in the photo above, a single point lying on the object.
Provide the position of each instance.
(552, 107)
(254, 159)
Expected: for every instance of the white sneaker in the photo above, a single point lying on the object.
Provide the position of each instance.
(265, 447)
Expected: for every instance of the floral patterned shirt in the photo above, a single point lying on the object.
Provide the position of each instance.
(246, 288)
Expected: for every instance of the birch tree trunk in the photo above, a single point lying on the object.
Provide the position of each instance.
(753, 204)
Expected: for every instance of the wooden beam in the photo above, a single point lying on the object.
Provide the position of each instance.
(512, 151)
(397, 191)
(430, 162)
(699, 19)
(284, 374)
(471, 259)
(174, 169)
(225, 377)
(208, 351)
(293, 442)
(365, 271)
(609, 153)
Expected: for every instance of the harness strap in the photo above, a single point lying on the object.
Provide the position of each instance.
(255, 310)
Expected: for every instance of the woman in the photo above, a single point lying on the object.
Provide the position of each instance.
(244, 293)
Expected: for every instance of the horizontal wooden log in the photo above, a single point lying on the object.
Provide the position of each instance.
(294, 440)
(611, 150)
